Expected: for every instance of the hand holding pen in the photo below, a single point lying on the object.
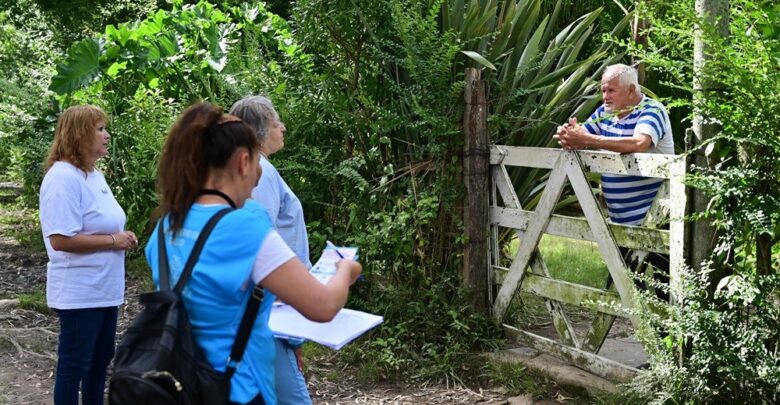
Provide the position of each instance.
(336, 249)
(359, 267)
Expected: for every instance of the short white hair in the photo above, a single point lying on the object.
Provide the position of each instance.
(256, 111)
(625, 74)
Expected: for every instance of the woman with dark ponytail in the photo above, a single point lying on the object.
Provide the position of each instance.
(211, 161)
(286, 212)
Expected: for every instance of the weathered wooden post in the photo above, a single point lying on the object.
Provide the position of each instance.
(702, 233)
(476, 179)
(639, 36)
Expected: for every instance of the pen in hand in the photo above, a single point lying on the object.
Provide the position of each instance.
(332, 246)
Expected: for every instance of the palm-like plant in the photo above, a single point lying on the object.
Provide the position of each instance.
(539, 77)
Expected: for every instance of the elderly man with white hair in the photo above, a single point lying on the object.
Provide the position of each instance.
(627, 122)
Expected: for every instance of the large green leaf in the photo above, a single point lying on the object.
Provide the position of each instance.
(80, 68)
(479, 59)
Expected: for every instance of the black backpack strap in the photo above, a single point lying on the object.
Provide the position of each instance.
(252, 307)
(244, 330)
(162, 252)
(162, 256)
(195, 254)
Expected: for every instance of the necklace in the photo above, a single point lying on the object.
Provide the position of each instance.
(211, 191)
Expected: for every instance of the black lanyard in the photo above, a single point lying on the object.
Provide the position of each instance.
(218, 193)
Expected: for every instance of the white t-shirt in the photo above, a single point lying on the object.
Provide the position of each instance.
(71, 204)
(273, 253)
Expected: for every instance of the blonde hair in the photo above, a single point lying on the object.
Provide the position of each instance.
(75, 130)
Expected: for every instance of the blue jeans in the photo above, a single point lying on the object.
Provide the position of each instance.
(85, 350)
(290, 385)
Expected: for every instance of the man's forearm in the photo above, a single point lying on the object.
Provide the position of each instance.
(634, 144)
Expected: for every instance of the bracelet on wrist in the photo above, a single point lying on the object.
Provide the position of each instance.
(113, 240)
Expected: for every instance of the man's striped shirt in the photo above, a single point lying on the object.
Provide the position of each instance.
(630, 197)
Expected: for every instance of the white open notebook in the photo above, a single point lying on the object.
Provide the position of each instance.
(347, 325)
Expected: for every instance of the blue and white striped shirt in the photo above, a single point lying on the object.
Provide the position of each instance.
(630, 197)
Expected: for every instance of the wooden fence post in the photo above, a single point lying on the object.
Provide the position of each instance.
(476, 178)
(702, 233)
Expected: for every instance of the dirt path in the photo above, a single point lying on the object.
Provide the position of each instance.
(28, 339)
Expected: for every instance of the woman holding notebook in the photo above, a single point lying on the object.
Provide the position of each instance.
(210, 161)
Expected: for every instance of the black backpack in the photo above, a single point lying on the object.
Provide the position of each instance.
(158, 360)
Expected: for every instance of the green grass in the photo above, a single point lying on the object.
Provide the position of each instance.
(314, 353)
(25, 228)
(517, 379)
(521, 380)
(571, 260)
(575, 261)
(35, 301)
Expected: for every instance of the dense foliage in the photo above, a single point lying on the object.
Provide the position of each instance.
(144, 72)
(24, 103)
(371, 94)
(729, 338)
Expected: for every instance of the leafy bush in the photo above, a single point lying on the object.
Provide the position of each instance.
(729, 340)
(137, 137)
(372, 151)
(429, 332)
(728, 335)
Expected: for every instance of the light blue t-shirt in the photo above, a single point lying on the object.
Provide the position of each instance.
(219, 289)
(630, 197)
(285, 210)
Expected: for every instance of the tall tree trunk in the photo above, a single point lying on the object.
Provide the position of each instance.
(702, 232)
(640, 38)
(764, 244)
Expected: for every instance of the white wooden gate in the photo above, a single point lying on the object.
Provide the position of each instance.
(528, 272)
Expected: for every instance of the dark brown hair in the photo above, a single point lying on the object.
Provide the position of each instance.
(75, 131)
(199, 141)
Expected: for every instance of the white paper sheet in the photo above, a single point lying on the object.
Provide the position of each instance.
(325, 267)
(348, 324)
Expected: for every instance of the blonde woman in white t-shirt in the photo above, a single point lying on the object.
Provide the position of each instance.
(83, 230)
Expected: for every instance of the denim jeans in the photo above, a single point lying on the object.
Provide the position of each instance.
(86, 346)
(290, 385)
